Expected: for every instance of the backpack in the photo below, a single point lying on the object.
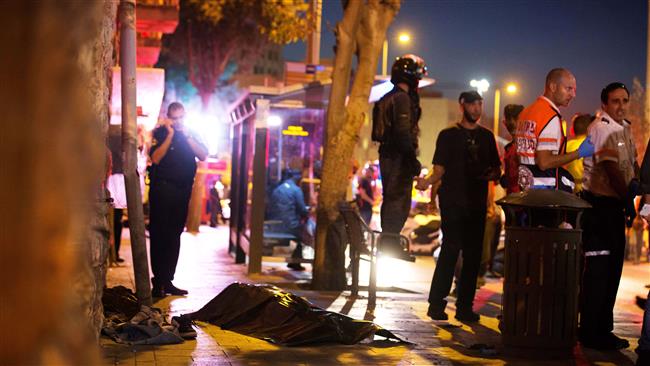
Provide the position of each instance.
(380, 124)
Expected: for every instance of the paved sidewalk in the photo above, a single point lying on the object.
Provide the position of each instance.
(205, 268)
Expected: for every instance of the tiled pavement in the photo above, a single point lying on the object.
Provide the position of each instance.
(205, 269)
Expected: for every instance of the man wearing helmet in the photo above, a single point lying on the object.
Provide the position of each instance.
(400, 111)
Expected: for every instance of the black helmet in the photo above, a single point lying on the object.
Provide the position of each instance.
(408, 69)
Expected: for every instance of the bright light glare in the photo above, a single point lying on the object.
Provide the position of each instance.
(511, 88)
(207, 127)
(404, 38)
(273, 121)
(481, 85)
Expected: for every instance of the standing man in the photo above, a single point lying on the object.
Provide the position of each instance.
(643, 350)
(540, 137)
(173, 154)
(366, 196)
(395, 126)
(510, 178)
(609, 186)
(216, 211)
(466, 158)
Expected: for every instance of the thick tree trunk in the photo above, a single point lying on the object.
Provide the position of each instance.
(54, 162)
(364, 28)
(93, 243)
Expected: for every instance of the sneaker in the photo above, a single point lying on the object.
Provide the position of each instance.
(619, 343)
(119, 260)
(437, 314)
(296, 266)
(609, 342)
(175, 291)
(644, 357)
(390, 245)
(467, 316)
(184, 326)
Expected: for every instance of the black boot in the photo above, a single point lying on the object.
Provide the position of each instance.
(175, 291)
(390, 244)
(157, 289)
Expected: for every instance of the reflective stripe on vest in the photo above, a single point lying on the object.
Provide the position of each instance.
(596, 253)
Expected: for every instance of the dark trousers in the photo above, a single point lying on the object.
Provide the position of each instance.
(366, 215)
(604, 246)
(168, 213)
(117, 229)
(215, 212)
(462, 230)
(397, 184)
(297, 232)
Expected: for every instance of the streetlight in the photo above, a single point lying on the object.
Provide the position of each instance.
(481, 85)
(403, 38)
(511, 89)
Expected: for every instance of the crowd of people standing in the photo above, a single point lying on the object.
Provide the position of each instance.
(599, 164)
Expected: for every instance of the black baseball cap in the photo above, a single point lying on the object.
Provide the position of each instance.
(469, 97)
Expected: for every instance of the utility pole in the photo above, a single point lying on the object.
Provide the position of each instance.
(647, 75)
(313, 40)
(130, 151)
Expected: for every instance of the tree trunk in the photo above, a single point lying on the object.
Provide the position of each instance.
(364, 28)
(55, 157)
(93, 244)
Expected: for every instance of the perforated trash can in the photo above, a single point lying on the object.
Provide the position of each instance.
(541, 285)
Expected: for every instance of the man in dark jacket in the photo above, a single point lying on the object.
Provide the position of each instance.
(643, 350)
(288, 205)
(400, 109)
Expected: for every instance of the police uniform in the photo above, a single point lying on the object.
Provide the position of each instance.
(398, 161)
(171, 187)
(604, 227)
(539, 128)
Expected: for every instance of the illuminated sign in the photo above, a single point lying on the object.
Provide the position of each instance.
(312, 69)
(295, 131)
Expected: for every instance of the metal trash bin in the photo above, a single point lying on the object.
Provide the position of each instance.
(543, 256)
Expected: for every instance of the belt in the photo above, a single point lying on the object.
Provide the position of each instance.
(172, 183)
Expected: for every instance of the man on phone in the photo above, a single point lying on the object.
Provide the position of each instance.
(173, 153)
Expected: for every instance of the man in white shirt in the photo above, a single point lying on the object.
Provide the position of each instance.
(609, 185)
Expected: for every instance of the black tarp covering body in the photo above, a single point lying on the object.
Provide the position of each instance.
(267, 312)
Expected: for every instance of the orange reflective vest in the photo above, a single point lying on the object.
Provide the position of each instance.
(530, 124)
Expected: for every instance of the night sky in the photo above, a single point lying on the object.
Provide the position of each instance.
(600, 41)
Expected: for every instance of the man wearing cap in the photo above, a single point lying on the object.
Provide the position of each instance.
(540, 137)
(465, 159)
(609, 186)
